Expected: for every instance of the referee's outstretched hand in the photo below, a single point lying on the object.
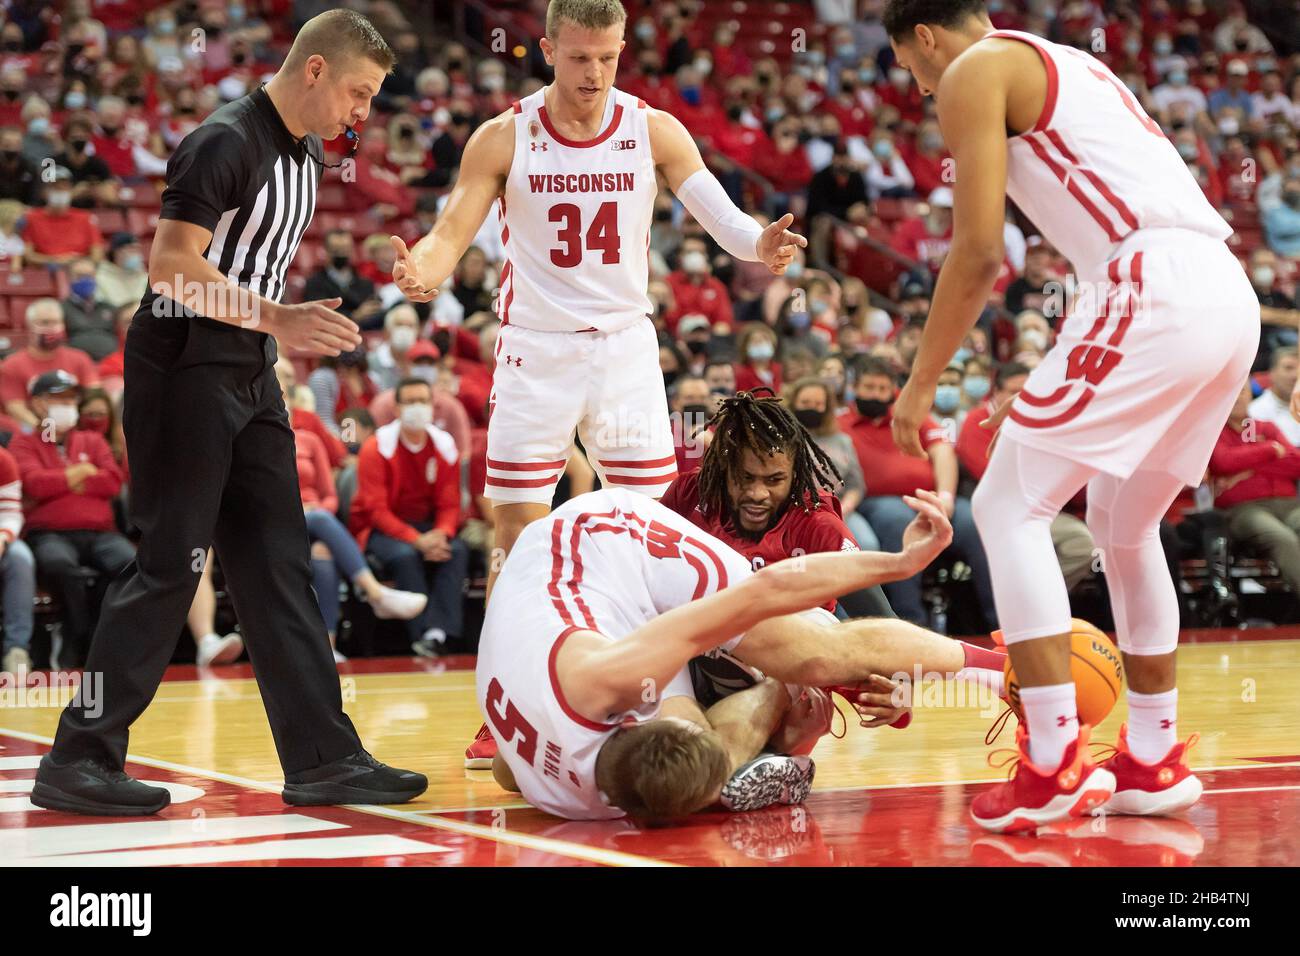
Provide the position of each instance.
(407, 276)
(315, 327)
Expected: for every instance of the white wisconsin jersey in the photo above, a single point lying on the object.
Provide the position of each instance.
(607, 561)
(576, 221)
(1095, 167)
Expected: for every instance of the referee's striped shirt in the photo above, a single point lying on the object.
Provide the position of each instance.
(244, 176)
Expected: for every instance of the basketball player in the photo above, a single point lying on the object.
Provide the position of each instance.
(608, 600)
(574, 168)
(1129, 401)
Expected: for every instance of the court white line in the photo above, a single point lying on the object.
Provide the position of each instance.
(577, 851)
(1252, 789)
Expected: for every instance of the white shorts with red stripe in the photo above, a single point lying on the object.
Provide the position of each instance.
(1148, 363)
(606, 387)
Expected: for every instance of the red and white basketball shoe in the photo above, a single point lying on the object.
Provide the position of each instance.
(1034, 795)
(479, 754)
(1151, 789)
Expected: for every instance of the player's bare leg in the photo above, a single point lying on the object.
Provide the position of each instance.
(502, 775)
(510, 518)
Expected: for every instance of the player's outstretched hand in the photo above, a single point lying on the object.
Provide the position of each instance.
(880, 701)
(777, 244)
(315, 327)
(928, 534)
(407, 276)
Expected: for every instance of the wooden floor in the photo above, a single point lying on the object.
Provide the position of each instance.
(882, 796)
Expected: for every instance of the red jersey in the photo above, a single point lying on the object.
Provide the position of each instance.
(887, 470)
(398, 487)
(17, 370)
(55, 234)
(1267, 475)
(796, 532)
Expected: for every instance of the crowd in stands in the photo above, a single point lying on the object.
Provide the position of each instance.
(95, 95)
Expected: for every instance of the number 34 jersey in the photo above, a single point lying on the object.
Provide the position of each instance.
(608, 561)
(576, 221)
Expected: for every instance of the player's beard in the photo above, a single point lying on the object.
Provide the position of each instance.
(755, 536)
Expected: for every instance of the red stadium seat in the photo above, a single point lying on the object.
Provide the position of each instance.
(110, 221)
(331, 198)
(33, 281)
(142, 222)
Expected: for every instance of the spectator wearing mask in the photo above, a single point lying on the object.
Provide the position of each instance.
(693, 334)
(696, 291)
(757, 345)
(1274, 403)
(407, 511)
(90, 323)
(721, 377)
(947, 410)
(341, 382)
(1071, 538)
(1255, 470)
(786, 167)
(449, 147)
(1270, 104)
(39, 142)
(928, 161)
(976, 383)
(335, 554)
(928, 238)
(69, 481)
(837, 187)
(390, 360)
(691, 406)
(121, 279)
(469, 282)
(56, 234)
(337, 279)
(1282, 221)
(1033, 336)
(17, 572)
(46, 351)
(95, 413)
(19, 178)
(92, 180)
(448, 413)
(887, 174)
(1176, 90)
(814, 404)
(1232, 96)
(890, 473)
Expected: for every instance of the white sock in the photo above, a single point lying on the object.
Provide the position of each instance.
(983, 677)
(1052, 716)
(436, 634)
(1152, 724)
(210, 637)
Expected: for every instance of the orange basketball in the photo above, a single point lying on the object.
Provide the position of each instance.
(1096, 669)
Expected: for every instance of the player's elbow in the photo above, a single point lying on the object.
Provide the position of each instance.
(981, 258)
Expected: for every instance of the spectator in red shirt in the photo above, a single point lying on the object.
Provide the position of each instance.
(406, 513)
(696, 291)
(890, 473)
(757, 347)
(928, 238)
(692, 405)
(45, 352)
(786, 167)
(57, 233)
(927, 159)
(70, 480)
(17, 570)
(1255, 469)
(341, 382)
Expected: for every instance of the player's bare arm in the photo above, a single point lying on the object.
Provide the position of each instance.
(484, 168)
(972, 102)
(678, 159)
(599, 676)
(177, 265)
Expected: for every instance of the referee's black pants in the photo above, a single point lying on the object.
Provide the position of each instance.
(212, 461)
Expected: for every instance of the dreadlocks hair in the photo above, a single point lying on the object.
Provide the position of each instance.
(765, 427)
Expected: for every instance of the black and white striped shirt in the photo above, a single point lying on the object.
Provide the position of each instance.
(244, 176)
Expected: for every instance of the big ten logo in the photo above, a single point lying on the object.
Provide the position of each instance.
(798, 819)
(948, 170)
(498, 819)
(348, 690)
(198, 821)
(1248, 695)
(1097, 42)
(649, 690)
(798, 40)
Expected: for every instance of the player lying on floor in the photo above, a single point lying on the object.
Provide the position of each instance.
(613, 595)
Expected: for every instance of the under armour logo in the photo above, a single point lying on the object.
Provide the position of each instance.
(513, 360)
(1064, 721)
(538, 146)
(1167, 724)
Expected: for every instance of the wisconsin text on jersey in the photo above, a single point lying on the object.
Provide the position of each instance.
(581, 182)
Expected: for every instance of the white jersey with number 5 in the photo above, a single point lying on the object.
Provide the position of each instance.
(576, 221)
(1095, 167)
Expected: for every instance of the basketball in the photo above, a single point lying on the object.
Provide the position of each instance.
(1095, 667)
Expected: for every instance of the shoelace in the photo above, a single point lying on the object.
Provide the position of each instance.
(1102, 752)
(1013, 760)
(995, 731)
(844, 729)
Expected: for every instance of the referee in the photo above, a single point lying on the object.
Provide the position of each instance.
(210, 449)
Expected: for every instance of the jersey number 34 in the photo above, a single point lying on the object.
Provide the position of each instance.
(602, 234)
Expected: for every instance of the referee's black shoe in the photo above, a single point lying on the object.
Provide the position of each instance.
(90, 787)
(359, 778)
